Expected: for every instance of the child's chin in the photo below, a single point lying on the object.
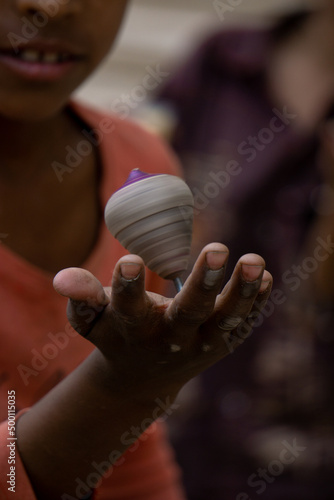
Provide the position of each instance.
(31, 110)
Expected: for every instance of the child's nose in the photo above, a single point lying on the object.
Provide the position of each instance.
(53, 9)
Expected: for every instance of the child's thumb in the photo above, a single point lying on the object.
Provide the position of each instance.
(87, 297)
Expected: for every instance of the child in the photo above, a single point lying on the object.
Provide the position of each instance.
(82, 408)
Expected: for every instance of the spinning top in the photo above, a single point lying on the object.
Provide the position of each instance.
(151, 216)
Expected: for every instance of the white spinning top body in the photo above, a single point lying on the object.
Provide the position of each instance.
(151, 216)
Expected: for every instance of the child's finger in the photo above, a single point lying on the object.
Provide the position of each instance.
(244, 328)
(227, 328)
(87, 297)
(238, 296)
(195, 303)
(128, 296)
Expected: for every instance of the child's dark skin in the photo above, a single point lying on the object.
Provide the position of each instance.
(116, 387)
(35, 131)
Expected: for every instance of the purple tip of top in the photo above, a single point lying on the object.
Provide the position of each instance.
(136, 175)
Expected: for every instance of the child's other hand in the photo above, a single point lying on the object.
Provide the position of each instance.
(154, 345)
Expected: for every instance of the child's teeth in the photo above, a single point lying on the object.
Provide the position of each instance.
(50, 57)
(30, 55)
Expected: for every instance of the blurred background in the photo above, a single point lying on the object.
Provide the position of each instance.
(163, 32)
(234, 418)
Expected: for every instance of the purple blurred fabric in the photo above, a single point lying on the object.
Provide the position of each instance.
(255, 196)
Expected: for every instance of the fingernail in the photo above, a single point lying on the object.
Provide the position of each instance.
(130, 271)
(215, 262)
(264, 286)
(251, 273)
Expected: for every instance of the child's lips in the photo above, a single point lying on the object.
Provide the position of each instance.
(39, 62)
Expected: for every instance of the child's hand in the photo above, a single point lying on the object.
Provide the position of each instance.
(152, 344)
(148, 348)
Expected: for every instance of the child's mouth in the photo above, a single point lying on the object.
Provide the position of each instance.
(38, 64)
(35, 56)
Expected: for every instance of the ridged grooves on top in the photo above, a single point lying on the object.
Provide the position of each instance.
(152, 218)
